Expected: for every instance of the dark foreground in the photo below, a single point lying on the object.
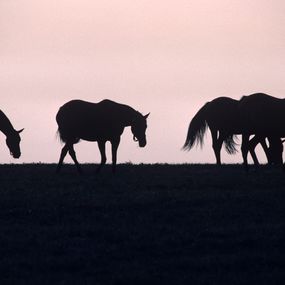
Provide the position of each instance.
(165, 224)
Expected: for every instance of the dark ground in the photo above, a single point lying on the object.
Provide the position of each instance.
(165, 224)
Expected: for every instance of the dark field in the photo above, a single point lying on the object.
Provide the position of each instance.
(165, 224)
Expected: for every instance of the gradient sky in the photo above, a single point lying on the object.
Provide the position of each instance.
(164, 57)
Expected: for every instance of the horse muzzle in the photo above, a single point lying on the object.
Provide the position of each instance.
(16, 155)
(142, 143)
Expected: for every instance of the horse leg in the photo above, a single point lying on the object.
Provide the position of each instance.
(115, 143)
(251, 145)
(244, 150)
(266, 150)
(275, 150)
(102, 149)
(215, 146)
(71, 152)
(62, 156)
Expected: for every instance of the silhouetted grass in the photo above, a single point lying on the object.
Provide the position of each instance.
(165, 224)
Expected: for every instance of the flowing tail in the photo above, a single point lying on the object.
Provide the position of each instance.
(59, 136)
(64, 131)
(196, 129)
(230, 144)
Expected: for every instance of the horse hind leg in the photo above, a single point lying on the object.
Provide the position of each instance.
(252, 145)
(216, 145)
(244, 150)
(68, 148)
(72, 153)
(62, 156)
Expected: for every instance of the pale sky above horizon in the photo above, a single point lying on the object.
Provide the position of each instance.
(164, 57)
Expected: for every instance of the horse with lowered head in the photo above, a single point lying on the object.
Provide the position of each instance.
(12, 136)
(101, 122)
(223, 118)
(264, 116)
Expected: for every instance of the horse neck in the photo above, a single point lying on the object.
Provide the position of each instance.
(5, 125)
(129, 115)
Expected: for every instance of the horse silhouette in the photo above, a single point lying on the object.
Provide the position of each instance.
(223, 118)
(12, 136)
(101, 122)
(275, 150)
(263, 115)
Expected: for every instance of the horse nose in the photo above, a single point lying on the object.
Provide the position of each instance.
(17, 155)
(142, 143)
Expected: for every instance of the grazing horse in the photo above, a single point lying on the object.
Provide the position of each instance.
(263, 115)
(223, 119)
(101, 122)
(12, 136)
(276, 150)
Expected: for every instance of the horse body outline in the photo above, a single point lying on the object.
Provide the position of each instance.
(101, 122)
(263, 116)
(223, 117)
(13, 138)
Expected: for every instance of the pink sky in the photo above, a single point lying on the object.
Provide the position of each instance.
(163, 57)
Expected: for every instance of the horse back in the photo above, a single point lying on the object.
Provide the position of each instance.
(105, 110)
(263, 114)
(261, 105)
(90, 121)
(222, 114)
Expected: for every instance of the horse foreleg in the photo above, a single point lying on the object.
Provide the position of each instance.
(115, 143)
(252, 145)
(244, 150)
(102, 149)
(62, 156)
(216, 146)
(266, 150)
(275, 150)
(71, 152)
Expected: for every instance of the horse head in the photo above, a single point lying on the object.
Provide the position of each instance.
(13, 143)
(138, 128)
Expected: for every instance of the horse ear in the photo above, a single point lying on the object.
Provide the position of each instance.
(145, 116)
(20, 131)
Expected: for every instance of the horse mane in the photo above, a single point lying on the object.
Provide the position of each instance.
(125, 107)
(244, 97)
(5, 124)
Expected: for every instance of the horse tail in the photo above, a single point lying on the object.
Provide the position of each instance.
(60, 135)
(64, 131)
(59, 132)
(230, 144)
(196, 129)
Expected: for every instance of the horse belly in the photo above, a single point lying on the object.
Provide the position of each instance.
(92, 134)
(99, 133)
